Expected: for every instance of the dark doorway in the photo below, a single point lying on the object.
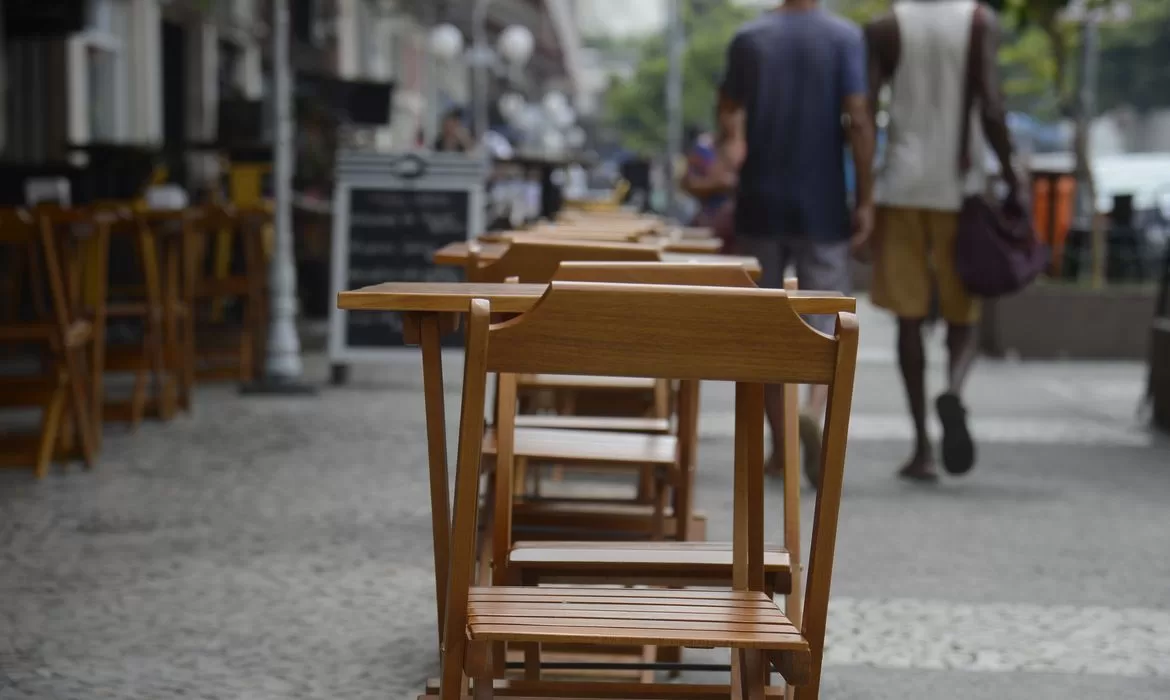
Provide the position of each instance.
(174, 76)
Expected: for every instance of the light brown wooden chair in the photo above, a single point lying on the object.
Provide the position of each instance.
(673, 563)
(143, 298)
(627, 397)
(231, 349)
(536, 261)
(748, 336)
(62, 337)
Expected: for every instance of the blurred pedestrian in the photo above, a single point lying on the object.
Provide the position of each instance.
(921, 50)
(453, 135)
(791, 75)
(702, 180)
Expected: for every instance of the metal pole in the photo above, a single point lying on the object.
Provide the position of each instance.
(676, 44)
(283, 364)
(480, 51)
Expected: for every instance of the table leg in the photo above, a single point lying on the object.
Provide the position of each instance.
(430, 329)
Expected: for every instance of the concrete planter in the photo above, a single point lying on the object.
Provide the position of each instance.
(1059, 321)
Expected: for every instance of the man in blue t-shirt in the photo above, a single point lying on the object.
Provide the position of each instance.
(793, 74)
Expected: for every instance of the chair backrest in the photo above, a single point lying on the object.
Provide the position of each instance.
(701, 274)
(76, 247)
(717, 274)
(750, 336)
(537, 261)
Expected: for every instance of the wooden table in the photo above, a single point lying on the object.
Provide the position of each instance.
(457, 254)
(669, 244)
(431, 309)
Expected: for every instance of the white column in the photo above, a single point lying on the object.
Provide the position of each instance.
(348, 44)
(146, 71)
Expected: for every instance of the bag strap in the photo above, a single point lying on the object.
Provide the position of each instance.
(971, 86)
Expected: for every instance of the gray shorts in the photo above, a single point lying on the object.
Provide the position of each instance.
(819, 266)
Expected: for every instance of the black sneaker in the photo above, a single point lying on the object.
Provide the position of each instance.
(958, 449)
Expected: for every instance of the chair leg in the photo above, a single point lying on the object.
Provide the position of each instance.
(75, 367)
(520, 481)
(451, 679)
(751, 667)
(660, 492)
(50, 425)
(478, 664)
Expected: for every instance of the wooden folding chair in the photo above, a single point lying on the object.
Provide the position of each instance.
(647, 399)
(537, 261)
(144, 299)
(675, 563)
(231, 349)
(63, 336)
(749, 336)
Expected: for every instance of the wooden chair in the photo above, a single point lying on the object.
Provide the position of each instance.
(641, 398)
(537, 261)
(749, 336)
(63, 336)
(174, 234)
(231, 349)
(141, 296)
(676, 563)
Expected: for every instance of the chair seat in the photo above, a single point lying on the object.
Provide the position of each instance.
(582, 381)
(588, 446)
(659, 426)
(634, 617)
(700, 558)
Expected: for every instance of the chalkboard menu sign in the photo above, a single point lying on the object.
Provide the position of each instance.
(391, 213)
(393, 235)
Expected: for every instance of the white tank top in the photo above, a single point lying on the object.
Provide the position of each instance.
(921, 165)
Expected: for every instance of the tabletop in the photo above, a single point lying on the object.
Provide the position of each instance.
(517, 298)
(457, 254)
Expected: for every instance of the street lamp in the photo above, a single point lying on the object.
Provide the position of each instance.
(513, 50)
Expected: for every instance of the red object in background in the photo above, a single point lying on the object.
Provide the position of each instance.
(1053, 200)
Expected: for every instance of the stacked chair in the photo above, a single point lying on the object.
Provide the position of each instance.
(670, 594)
(546, 596)
(71, 274)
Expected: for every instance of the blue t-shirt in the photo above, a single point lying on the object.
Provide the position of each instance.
(792, 71)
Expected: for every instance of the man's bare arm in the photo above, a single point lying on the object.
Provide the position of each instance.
(730, 131)
(883, 51)
(861, 141)
(993, 113)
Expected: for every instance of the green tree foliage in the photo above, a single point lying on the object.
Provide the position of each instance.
(637, 108)
(1135, 59)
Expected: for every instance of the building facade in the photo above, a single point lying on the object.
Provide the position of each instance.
(153, 72)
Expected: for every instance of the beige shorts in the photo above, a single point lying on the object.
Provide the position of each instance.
(914, 258)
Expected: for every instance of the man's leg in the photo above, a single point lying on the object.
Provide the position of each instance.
(912, 363)
(823, 267)
(961, 312)
(901, 284)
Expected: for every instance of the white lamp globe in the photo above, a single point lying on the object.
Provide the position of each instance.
(511, 105)
(530, 118)
(516, 44)
(446, 42)
(554, 102)
(552, 141)
(564, 117)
